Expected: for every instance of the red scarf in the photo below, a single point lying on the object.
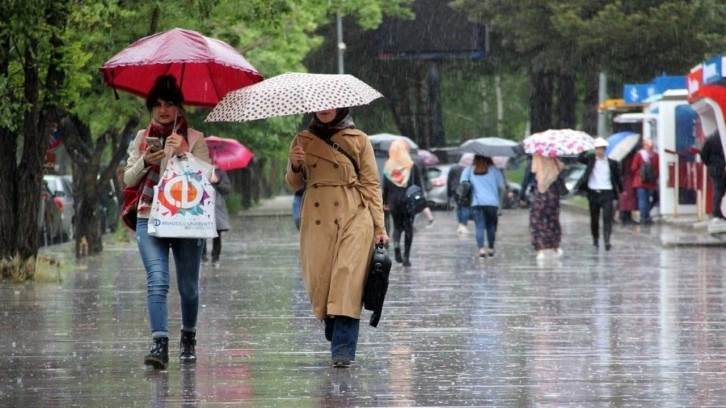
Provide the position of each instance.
(162, 132)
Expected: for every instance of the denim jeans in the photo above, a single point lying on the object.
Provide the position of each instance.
(643, 195)
(345, 336)
(155, 256)
(296, 207)
(485, 218)
(463, 214)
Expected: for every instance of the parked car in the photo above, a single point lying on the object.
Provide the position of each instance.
(61, 188)
(50, 223)
(110, 211)
(438, 175)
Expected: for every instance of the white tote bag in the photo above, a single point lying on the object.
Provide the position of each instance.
(183, 205)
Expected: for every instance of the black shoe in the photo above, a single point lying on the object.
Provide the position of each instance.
(186, 347)
(397, 252)
(594, 244)
(341, 362)
(406, 262)
(158, 357)
(608, 247)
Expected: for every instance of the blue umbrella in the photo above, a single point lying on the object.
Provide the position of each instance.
(621, 144)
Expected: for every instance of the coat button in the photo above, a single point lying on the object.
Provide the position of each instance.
(317, 204)
(315, 186)
(335, 166)
(314, 165)
(336, 222)
(335, 203)
(317, 222)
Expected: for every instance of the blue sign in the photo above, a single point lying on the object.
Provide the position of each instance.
(713, 70)
(636, 93)
(666, 83)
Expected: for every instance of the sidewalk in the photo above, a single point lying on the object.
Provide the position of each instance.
(684, 231)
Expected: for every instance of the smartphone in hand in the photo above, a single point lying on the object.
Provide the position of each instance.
(154, 144)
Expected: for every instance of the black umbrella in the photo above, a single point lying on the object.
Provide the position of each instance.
(493, 147)
(377, 283)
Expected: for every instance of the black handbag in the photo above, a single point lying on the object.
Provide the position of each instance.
(376, 285)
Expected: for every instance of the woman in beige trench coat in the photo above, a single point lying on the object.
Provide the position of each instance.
(341, 219)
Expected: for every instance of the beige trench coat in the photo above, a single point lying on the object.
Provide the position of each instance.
(340, 216)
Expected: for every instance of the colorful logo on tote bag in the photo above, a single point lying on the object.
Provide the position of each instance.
(183, 193)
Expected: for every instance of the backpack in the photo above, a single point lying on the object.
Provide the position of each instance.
(415, 199)
(464, 193)
(647, 173)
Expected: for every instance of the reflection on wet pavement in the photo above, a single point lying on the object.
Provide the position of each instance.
(641, 325)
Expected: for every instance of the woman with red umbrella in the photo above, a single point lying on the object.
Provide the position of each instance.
(146, 162)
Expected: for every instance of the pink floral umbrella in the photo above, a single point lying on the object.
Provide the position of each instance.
(228, 154)
(558, 142)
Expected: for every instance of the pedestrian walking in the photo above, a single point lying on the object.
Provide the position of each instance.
(712, 156)
(601, 183)
(425, 186)
(342, 218)
(645, 180)
(145, 164)
(487, 184)
(222, 187)
(463, 213)
(627, 200)
(544, 213)
(400, 172)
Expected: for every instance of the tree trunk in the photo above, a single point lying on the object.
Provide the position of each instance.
(540, 101)
(500, 105)
(591, 100)
(565, 102)
(8, 166)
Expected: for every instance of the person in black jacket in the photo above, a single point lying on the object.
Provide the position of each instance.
(399, 172)
(713, 157)
(601, 182)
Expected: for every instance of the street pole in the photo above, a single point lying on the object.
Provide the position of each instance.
(602, 95)
(341, 44)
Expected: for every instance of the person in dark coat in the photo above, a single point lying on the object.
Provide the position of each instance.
(222, 186)
(601, 182)
(399, 173)
(712, 156)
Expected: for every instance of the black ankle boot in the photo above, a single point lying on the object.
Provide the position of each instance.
(158, 357)
(397, 251)
(406, 259)
(186, 347)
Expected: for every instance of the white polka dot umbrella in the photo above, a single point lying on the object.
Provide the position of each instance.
(290, 94)
(558, 142)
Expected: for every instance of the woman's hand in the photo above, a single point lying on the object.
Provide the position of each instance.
(152, 156)
(382, 238)
(297, 157)
(173, 144)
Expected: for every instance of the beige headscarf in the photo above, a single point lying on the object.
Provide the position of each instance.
(398, 166)
(546, 170)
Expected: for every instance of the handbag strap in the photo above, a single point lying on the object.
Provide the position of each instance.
(337, 147)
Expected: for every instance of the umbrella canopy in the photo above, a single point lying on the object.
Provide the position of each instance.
(293, 93)
(492, 147)
(558, 142)
(466, 159)
(382, 141)
(621, 144)
(205, 68)
(429, 158)
(228, 154)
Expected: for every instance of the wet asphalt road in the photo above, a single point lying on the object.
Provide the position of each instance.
(641, 326)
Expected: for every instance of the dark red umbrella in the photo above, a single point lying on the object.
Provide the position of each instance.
(228, 154)
(205, 67)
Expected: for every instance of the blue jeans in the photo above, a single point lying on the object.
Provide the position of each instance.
(296, 207)
(485, 218)
(187, 258)
(345, 336)
(643, 195)
(463, 214)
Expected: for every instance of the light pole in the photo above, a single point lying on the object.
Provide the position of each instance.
(341, 44)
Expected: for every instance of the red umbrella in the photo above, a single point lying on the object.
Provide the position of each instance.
(205, 67)
(228, 154)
